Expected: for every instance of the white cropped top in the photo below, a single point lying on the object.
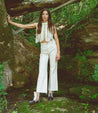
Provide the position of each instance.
(45, 33)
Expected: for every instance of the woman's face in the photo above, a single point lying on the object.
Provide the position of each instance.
(45, 16)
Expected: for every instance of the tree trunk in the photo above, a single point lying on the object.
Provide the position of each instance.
(6, 39)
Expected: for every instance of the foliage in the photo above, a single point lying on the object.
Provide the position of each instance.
(85, 69)
(30, 37)
(24, 107)
(72, 14)
(82, 55)
(86, 107)
(3, 100)
(95, 76)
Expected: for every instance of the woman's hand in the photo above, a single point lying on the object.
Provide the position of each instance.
(8, 17)
(58, 56)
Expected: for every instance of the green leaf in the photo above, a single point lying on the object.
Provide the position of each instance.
(83, 57)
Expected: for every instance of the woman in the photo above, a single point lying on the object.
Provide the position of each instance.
(50, 49)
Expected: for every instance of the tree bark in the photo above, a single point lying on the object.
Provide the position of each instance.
(6, 38)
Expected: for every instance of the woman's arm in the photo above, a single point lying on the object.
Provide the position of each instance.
(57, 40)
(22, 25)
(57, 43)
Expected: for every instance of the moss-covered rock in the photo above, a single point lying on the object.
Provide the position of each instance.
(88, 93)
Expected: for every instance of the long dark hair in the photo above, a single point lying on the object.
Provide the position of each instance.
(50, 23)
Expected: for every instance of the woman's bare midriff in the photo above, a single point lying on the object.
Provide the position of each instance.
(45, 41)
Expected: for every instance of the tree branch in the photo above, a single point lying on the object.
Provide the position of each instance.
(20, 7)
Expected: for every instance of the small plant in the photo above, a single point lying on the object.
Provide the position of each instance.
(14, 112)
(24, 94)
(3, 100)
(85, 107)
(95, 96)
(95, 76)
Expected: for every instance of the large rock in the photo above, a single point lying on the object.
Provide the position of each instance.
(26, 64)
(87, 38)
(27, 59)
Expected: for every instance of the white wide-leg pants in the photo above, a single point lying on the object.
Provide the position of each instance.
(48, 51)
